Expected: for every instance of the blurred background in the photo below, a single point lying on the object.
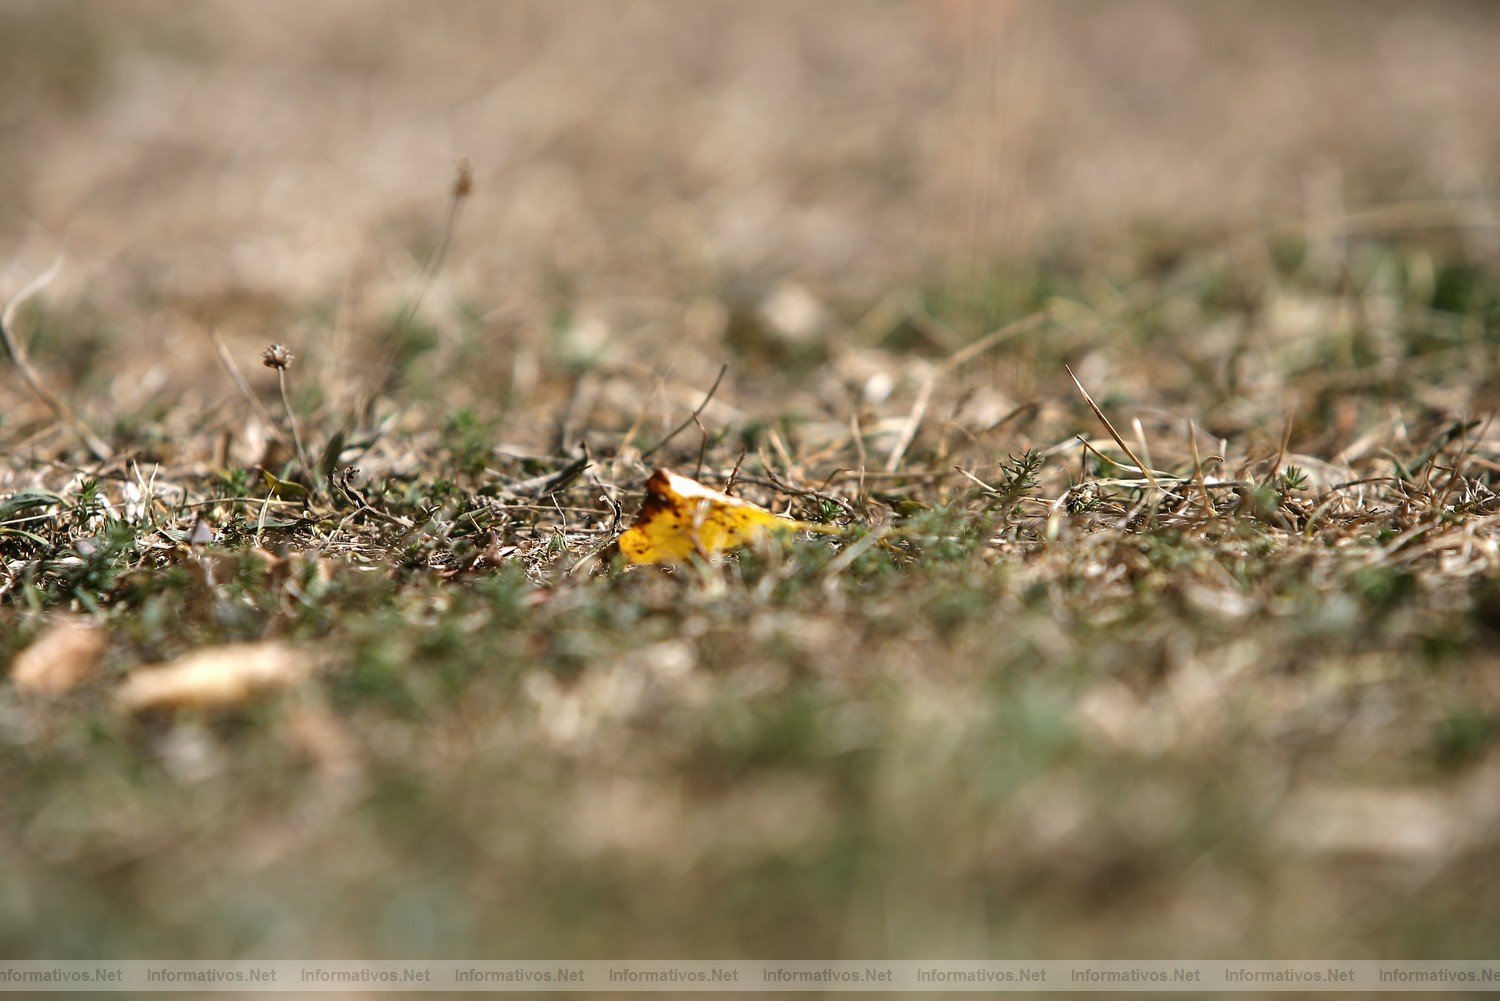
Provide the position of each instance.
(635, 160)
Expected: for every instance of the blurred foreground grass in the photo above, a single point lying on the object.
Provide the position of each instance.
(1057, 712)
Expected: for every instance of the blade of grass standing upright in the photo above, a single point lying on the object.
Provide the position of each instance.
(1113, 433)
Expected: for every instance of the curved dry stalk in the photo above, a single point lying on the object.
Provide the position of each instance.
(708, 397)
(1113, 433)
(463, 187)
(291, 418)
(33, 378)
(238, 377)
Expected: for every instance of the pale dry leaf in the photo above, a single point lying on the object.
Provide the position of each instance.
(219, 677)
(58, 660)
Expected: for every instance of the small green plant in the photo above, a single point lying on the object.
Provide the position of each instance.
(1290, 479)
(1018, 476)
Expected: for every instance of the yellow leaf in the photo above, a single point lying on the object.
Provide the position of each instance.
(284, 489)
(681, 517)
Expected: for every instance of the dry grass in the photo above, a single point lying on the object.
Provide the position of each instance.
(1199, 662)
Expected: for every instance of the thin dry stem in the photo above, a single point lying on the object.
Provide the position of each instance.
(291, 419)
(1146, 472)
(238, 377)
(692, 418)
(33, 379)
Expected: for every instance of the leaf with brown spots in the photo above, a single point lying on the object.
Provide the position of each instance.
(681, 517)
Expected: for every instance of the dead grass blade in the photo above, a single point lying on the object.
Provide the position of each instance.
(1208, 503)
(1146, 472)
(912, 425)
(238, 377)
(33, 378)
(990, 340)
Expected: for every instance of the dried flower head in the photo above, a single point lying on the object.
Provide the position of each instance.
(463, 184)
(277, 356)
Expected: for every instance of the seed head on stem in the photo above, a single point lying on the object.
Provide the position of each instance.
(279, 357)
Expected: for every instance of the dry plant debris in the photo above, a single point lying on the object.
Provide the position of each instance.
(216, 678)
(65, 654)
